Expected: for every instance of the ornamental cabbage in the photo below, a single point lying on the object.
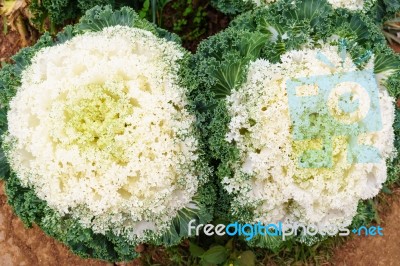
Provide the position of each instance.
(240, 6)
(268, 174)
(242, 93)
(100, 131)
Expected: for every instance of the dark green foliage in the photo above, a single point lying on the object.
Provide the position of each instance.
(377, 10)
(389, 6)
(233, 7)
(357, 28)
(189, 19)
(84, 5)
(366, 214)
(58, 12)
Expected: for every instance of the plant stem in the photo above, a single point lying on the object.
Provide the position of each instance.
(5, 27)
(154, 10)
(23, 32)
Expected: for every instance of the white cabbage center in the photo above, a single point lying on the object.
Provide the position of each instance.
(99, 129)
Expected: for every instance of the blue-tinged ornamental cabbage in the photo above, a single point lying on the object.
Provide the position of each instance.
(269, 174)
(274, 168)
(100, 137)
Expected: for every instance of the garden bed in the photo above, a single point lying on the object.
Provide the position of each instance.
(22, 246)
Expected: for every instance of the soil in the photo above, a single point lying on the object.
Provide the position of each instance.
(396, 47)
(9, 44)
(22, 246)
(375, 250)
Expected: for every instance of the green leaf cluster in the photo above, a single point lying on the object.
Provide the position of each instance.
(60, 11)
(376, 9)
(233, 7)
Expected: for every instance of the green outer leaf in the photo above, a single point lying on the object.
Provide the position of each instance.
(273, 243)
(195, 250)
(232, 7)
(65, 35)
(357, 27)
(387, 60)
(392, 6)
(312, 11)
(98, 18)
(216, 254)
(228, 76)
(247, 258)
(179, 227)
(145, 9)
(251, 44)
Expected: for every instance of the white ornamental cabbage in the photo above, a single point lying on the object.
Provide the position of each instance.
(99, 130)
(352, 5)
(315, 8)
(268, 175)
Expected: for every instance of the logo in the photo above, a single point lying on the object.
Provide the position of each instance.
(328, 106)
(283, 230)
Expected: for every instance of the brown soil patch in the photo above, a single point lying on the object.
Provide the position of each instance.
(22, 246)
(375, 250)
(396, 47)
(10, 43)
